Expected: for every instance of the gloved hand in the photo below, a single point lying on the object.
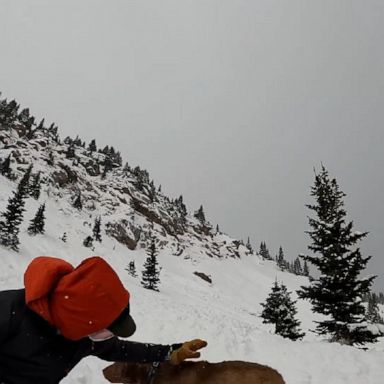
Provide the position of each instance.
(187, 351)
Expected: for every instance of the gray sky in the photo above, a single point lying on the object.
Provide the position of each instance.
(229, 103)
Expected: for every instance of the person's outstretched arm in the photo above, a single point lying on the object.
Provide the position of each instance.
(115, 349)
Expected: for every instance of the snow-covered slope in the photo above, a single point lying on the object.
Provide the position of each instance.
(224, 312)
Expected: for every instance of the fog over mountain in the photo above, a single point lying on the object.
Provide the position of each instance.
(229, 103)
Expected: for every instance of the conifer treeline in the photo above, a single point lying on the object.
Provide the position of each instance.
(97, 162)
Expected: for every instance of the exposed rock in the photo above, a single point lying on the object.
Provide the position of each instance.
(203, 276)
(119, 232)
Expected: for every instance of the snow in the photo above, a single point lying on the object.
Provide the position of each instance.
(224, 312)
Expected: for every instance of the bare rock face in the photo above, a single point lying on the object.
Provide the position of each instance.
(92, 168)
(120, 233)
(64, 176)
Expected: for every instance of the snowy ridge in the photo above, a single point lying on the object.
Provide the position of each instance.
(225, 312)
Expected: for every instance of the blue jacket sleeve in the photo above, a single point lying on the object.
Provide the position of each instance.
(115, 349)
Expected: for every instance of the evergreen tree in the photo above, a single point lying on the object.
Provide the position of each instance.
(280, 310)
(24, 186)
(97, 229)
(132, 269)
(297, 269)
(92, 146)
(150, 275)
(338, 290)
(305, 268)
(35, 188)
(51, 158)
(78, 203)
(64, 237)
(5, 167)
(127, 168)
(108, 166)
(88, 242)
(13, 216)
(249, 246)
(264, 251)
(70, 154)
(373, 312)
(41, 125)
(11, 220)
(200, 215)
(281, 262)
(38, 222)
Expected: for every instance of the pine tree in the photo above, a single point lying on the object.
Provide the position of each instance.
(92, 146)
(70, 154)
(373, 313)
(264, 251)
(280, 310)
(35, 187)
(5, 167)
(338, 290)
(132, 269)
(305, 269)
(297, 269)
(281, 262)
(199, 214)
(151, 271)
(12, 218)
(249, 245)
(24, 186)
(88, 242)
(78, 203)
(64, 237)
(51, 158)
(38, 222)
(97, 229)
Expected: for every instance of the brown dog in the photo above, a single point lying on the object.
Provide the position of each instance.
(201, 372)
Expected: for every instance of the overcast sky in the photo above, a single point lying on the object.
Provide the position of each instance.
(229, 103)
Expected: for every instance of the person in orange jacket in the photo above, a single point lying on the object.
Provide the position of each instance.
(65, 314)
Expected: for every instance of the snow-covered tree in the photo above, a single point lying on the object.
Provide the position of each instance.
(338, 290)
(297, 269)
(78, 203)
(264, 251)
(280, 259)
(97, 229)
(373, 312)
(35, 187)
(249, 245)
(131, 269)
(200, 215)
(305, 269)
(38, 222)
(150, 275)
(92, 146)
(88, 242)
(24, 184)
(64, 237)
(5, 167)
(280, 310)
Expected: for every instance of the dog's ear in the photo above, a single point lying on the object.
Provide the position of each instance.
(126, 373)
(114, 373)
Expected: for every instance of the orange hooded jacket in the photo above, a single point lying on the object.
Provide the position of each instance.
(77, 301)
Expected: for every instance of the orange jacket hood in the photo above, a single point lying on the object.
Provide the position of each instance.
(78, 301)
